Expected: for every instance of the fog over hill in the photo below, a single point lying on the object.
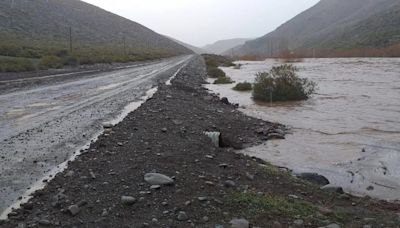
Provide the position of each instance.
(222, 46)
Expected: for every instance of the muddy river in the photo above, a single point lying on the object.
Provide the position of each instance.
(349, 131)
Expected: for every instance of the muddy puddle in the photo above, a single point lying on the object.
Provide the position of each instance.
(349, 131)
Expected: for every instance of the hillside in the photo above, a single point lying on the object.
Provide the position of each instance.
(222, 46)
(42, 27)
(333, 24)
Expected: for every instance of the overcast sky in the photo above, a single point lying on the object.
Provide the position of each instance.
(201, 22)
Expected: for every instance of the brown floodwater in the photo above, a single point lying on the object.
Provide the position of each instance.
(349, 131)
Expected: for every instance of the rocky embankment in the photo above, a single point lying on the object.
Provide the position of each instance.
(158, 168)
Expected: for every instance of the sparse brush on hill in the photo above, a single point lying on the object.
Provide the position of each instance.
(243, 86)
(16, 65)
(282, 84)
(90, 34)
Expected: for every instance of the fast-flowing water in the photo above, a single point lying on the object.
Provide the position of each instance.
(349, 131)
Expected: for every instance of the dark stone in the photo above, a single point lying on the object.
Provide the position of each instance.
(315, 178)
(225, 100)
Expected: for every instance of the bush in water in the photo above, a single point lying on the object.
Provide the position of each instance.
(283, 84)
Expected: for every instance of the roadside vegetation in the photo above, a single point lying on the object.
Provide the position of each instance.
(282, 84)
(19, 56)
(243, 86)
(212, 64)
(16, 65)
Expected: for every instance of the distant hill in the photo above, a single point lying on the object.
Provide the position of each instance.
(33, 28)
(189, 46)
(222, 46)
(333, 24)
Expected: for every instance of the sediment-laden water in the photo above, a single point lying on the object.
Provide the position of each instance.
(349, 131)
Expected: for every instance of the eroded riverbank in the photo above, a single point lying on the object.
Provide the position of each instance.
(105, 186)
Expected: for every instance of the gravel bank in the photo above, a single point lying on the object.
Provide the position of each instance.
(157, 168)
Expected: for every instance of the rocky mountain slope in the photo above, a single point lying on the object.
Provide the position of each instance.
(333, 24)
(33, 27)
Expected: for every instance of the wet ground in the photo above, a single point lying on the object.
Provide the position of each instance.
(44, 120)
(213, 186)
(349, 131)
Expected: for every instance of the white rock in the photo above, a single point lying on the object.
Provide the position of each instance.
(157, 179)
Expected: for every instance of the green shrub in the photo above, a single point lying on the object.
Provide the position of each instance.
(215, 72)
(243, 86)
(50, 62)
(16, 65)
(284, 85)
(217, 60)
(223, 80)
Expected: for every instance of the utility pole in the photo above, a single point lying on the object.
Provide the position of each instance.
(70, 39)
(124, 40)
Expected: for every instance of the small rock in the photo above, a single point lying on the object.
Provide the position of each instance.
(370, 188)
(154, 220)
(239, 223)
(128, 200)
(298, 222)
(202, 198)
(249, 176)
(367, 226)
(205, 219)
(164, 129)
(225, 100)
(44, 222)
(158, 179)
(229, 184)
(210, 183)
(333, 225)
(73, 210)
(182, 216)
(155, 187)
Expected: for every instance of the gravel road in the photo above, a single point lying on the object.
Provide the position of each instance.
(44, 120)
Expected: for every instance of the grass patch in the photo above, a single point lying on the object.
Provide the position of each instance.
(257, 205)
(223, 80)
(282, 84)
(243, 86)
(16, 65)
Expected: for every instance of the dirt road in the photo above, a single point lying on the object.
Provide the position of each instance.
(44, 120)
